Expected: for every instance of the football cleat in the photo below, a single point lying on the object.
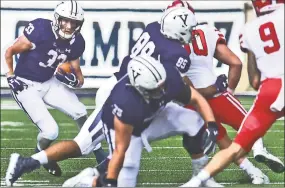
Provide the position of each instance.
(211, 183)
(78, 180)
(19, 165)
(274, 163)
(53, 168)
(257, 176)
(193, 182)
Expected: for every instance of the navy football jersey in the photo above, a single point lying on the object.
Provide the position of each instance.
(153, 43)
(39, 63)
(129, 106)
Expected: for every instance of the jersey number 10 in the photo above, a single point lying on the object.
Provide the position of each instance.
(270, 35)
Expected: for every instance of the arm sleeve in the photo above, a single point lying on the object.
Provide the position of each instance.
(33, 31)
(214, 37)
(128, 111)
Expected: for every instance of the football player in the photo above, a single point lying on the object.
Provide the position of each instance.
(219, 93)
(160, 40)
(42, 47)
(263, 40)
(139, 110)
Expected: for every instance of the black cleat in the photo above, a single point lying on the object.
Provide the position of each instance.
(53, 168)
(19, 165)
(274, 163)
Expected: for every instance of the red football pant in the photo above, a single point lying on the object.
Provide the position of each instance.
(228, 110)
(260, 117)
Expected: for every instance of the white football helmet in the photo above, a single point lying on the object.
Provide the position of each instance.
(147, 75)
(177, 23)
(70, 10)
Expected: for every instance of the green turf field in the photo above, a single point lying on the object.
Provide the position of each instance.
(167, 166)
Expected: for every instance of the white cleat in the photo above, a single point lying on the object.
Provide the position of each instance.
(257, 176)
(274, 163)
(211, 183)
(193, 182)
(78, 180)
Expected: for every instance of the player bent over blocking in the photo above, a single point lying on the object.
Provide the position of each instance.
(42, 47)
(138, 110)
(266, 74)
(219, 94)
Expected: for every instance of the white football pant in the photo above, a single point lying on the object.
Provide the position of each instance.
(33, 101)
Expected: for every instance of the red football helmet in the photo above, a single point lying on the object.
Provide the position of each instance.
(179, 3)
(266, 6)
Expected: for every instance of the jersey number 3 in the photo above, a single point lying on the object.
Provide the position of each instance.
(268, 33)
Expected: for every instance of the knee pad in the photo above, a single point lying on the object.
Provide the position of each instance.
(128, 175)
(193, 144)
(49, 130)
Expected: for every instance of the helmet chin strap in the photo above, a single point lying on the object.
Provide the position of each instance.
(64, 35)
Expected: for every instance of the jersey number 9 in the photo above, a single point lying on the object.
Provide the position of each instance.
(270, 35)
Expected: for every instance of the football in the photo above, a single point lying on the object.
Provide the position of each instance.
(66, 67)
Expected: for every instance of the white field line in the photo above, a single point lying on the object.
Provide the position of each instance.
(153, 147)
(143, 158)
(28, 130)
(35, 183)
(33, 139)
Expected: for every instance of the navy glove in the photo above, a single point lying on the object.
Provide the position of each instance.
(102, 181)
(221, 83)
(210, 138)
(16, 85)
(68, 79)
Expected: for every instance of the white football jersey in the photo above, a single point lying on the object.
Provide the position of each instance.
(264, 36)
(202, 50)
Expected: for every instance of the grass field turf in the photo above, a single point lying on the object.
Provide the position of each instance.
(167, 166)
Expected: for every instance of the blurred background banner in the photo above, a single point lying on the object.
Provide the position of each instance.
(112, 27)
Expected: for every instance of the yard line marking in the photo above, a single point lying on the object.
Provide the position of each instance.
(143, 158)
(224, 183)
(29, 130)
(153, 147)
(11, 123)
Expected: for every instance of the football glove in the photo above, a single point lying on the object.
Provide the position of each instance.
(102, 181)
(68, 79)
(210, 138)
(221, 83)
(16, 85)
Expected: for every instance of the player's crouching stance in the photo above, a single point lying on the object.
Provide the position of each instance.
(42, 47)
(138, 110)
(266, 74)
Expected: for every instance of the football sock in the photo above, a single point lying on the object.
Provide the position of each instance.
(100, 155)
(245, 164)
(203, 175)
(199, 164)
(41, 157)
(258, 145)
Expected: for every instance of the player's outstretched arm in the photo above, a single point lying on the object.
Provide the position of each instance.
(20, 45)
(77, 71)
(123, 136)
(201, 105)
(226, 56)
(253, 72)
